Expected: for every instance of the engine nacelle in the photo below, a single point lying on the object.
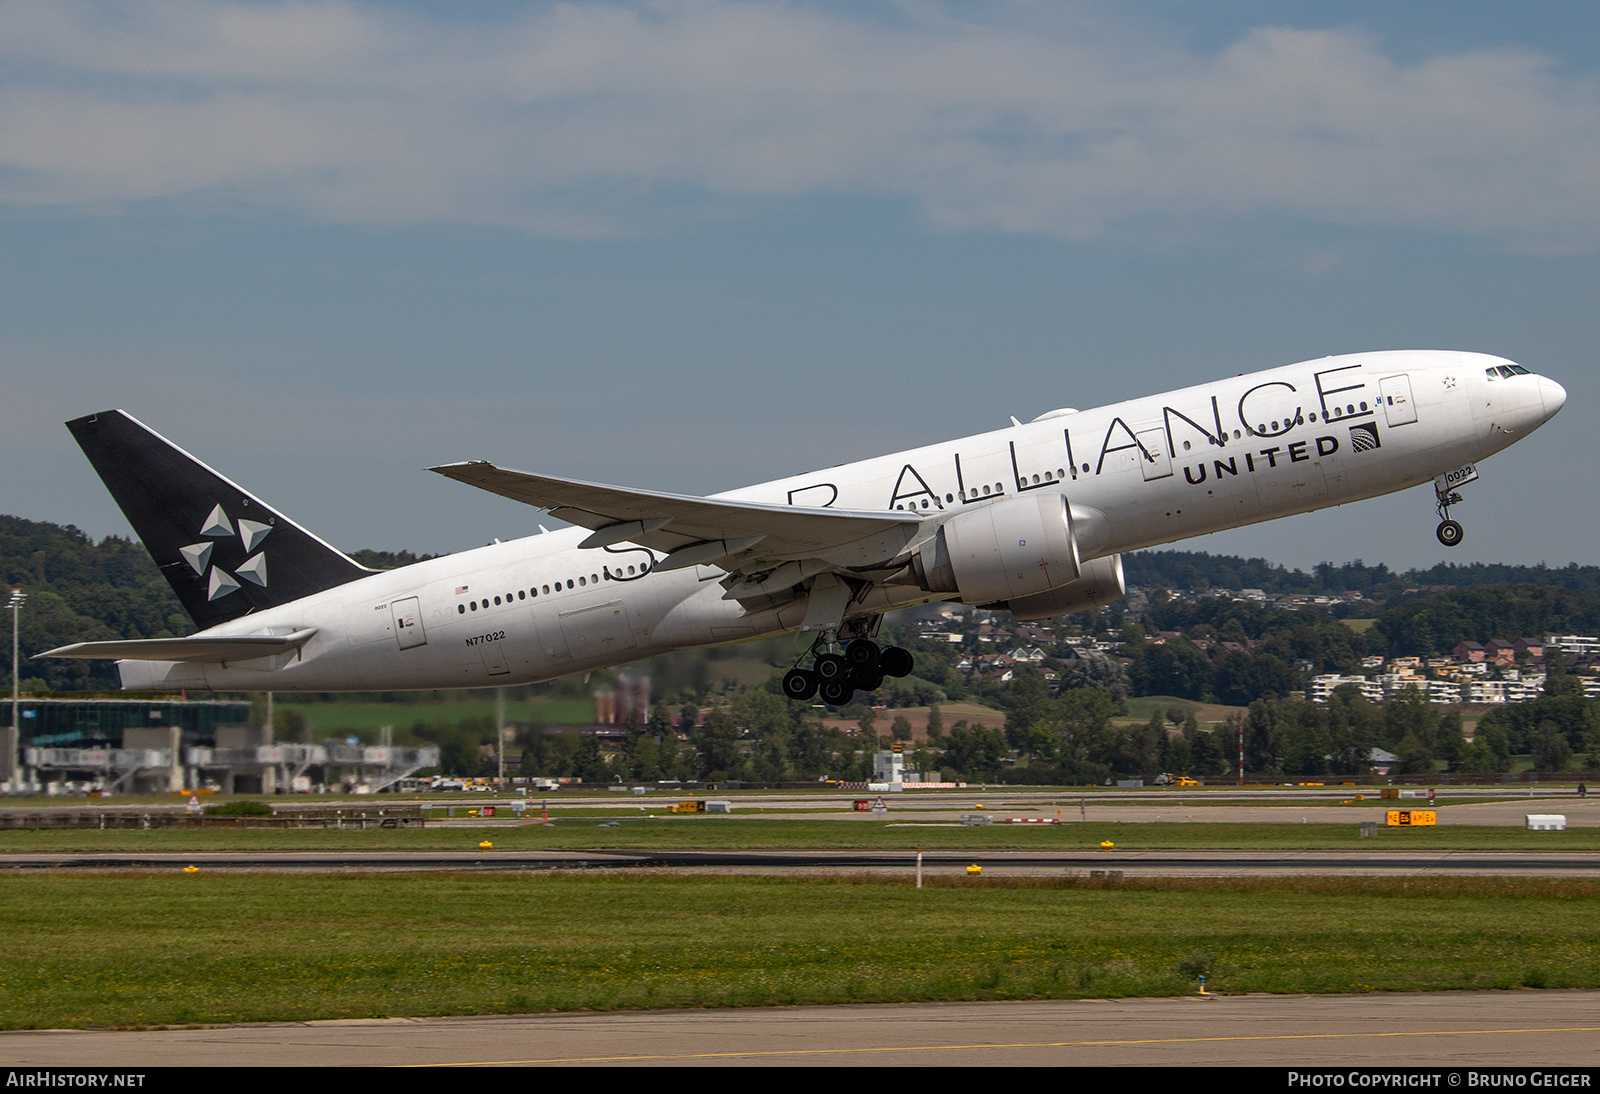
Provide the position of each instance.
(1101, 583)
(1016, 547)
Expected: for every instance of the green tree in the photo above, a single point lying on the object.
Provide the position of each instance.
(1409, 713)
(1096, 670)
(718, 744)
(866, 720)
(1139, 750)
(1449, 744)
(645, 763)
(1307, 748)
(564, 749)
(1413, 757)
(590, 764)
(1077, 732)
(1263, 735)
(974, 753)
(1492, 734)
(535, 761)
(1242, 678)
(759, 713)
(1550, 748)
(1174, 668)
(1027, 705)
(1179, 757)
(812, 749)
(1209, 749)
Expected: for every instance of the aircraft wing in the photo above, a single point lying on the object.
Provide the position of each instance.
(695, 526)
(241, 647)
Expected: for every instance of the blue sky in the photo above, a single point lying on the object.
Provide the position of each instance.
(693, 245)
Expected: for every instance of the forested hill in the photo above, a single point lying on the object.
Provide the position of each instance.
(1197, 570)
(83, 591)
(1428, 626)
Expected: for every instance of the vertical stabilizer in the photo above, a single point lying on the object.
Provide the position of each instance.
(225, 552)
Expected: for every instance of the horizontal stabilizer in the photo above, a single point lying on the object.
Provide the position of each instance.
(211, 648)
(783, 531)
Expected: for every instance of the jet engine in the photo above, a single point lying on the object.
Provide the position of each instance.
(1100, 584)
(1012, 548)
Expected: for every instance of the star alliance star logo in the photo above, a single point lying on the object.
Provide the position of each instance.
(218, 527)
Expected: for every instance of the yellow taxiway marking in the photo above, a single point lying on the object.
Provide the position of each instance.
(1014, 1044)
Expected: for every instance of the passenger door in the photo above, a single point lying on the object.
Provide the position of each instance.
(1395, 391)
(408, 628)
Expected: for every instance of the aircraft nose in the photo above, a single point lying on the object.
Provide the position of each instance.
(1553, 395)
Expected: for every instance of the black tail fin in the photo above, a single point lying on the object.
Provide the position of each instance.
(225, 553)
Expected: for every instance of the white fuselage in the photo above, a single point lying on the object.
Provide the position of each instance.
(1137, 474)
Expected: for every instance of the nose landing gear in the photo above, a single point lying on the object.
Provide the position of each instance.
(1444, 493)
(838, 676)
(1449, 532)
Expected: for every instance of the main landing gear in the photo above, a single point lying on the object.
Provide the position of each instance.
(839, 675)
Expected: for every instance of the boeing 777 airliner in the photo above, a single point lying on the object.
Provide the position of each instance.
(1032, 519)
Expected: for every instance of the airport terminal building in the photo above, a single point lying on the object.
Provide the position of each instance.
(122, 746)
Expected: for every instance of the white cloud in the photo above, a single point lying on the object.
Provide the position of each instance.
(577, 119)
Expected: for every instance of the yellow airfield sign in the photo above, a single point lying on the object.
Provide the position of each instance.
(1410, 818)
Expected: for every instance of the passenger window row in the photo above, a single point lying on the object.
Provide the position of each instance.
(544, 590)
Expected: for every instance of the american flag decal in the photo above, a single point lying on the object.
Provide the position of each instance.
(461, 590)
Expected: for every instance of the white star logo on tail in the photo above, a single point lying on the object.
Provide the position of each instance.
(198, 555)
(255, 570)
(251, 533)
(221, 584)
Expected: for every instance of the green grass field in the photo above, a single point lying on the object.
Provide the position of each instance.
(163, 949)
(1140, 709)
(362, 719)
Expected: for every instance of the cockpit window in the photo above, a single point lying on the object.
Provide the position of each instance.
(1505, 370)
(1520, 371)
(1491, 373)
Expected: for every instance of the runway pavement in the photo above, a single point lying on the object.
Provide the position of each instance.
(1546, 1029)
(1580, 812)
(1099, 812)
(1177, 806)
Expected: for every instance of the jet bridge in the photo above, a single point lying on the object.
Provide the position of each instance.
(254, 769)
(271, 766)
(118, 770)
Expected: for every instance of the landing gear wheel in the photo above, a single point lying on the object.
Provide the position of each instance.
(836, 693)
(895, 661)
(862, 654)
(871, 680)
(832, 667)
(800, 684)
(1449, 533)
